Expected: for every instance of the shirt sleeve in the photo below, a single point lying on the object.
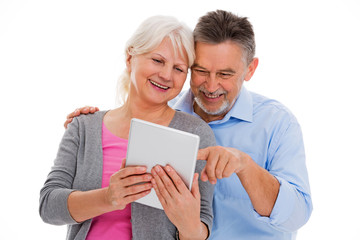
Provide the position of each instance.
(293, 205)
(53, 207)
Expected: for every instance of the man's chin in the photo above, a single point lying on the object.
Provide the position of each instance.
(213, 111)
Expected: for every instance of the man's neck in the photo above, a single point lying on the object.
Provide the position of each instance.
(205, 116)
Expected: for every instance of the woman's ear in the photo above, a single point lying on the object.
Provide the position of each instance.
(128, 62)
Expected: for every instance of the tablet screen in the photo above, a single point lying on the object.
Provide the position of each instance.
(151, 144)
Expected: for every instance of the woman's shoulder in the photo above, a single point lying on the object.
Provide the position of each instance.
(192, 124)
(91, 118)
(186, 120)
(87, 123)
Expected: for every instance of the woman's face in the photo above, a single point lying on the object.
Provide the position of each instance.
(157, 76)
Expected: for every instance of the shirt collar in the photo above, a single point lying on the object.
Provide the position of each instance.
(242, 108)
(185, 102)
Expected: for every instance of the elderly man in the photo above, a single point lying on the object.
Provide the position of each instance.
(262, 189)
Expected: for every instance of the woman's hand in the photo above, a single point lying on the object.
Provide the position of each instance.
(127, 185)
(84, 205)
(181, 205)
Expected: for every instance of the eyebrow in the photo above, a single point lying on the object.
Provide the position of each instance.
(195, 65)
(228, 70)
(160, 55)
(179, 64)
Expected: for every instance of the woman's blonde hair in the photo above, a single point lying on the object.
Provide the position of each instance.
(147, 37)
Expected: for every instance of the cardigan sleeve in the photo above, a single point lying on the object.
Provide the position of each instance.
(207, 139)
(53, 207)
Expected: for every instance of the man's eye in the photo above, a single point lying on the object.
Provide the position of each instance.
(201, 72)
(225, 75)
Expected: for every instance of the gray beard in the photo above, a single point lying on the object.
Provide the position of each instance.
(220, 111)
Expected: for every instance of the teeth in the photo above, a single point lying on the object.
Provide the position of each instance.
(158, 85)
(211, 96)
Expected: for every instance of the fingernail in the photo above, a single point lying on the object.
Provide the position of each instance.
(168, 168)
(92, 109)
(142, 168)
(157, 168)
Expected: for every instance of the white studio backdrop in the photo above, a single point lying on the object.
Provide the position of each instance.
(59, 55)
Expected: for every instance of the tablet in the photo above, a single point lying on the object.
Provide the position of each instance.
(151, 144)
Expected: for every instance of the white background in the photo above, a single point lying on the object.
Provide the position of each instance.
(59, 55)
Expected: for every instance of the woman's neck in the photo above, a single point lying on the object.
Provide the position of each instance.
(118, 120)
(160, 114)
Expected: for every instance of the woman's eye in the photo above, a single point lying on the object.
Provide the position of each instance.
(179, 69)
(156, 60)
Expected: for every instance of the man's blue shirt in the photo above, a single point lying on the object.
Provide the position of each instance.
(271, 135)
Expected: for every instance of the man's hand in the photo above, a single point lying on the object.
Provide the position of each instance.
(222, 162)
(261, 186)
(77, 112)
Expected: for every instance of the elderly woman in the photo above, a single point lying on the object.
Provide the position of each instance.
(90, 189)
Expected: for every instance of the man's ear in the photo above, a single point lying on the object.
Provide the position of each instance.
(251, 69)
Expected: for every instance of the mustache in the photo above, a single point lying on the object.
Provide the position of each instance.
(218, 92)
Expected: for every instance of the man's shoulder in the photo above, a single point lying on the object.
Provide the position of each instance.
(270, 107)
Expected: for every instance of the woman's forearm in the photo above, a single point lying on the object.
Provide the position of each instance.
(88, 204)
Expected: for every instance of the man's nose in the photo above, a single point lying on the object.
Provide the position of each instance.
(212, 83)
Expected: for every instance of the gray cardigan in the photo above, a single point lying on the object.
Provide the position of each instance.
(78, 166)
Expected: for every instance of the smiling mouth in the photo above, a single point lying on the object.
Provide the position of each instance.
(212, 96)
(158, 85)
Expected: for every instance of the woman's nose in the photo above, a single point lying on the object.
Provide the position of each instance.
(166, 73)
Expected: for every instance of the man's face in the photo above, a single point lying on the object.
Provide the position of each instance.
(216, 78)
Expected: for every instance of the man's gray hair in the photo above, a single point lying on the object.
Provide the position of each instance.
(220, 26)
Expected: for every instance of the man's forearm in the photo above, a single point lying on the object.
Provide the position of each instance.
(202, 234)
(261, 186)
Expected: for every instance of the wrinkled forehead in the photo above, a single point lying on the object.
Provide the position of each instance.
(225, 55)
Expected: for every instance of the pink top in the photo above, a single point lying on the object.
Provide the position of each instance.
(116, 224)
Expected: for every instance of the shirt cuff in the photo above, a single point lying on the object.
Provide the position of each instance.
(284, 205)
(178, 238)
